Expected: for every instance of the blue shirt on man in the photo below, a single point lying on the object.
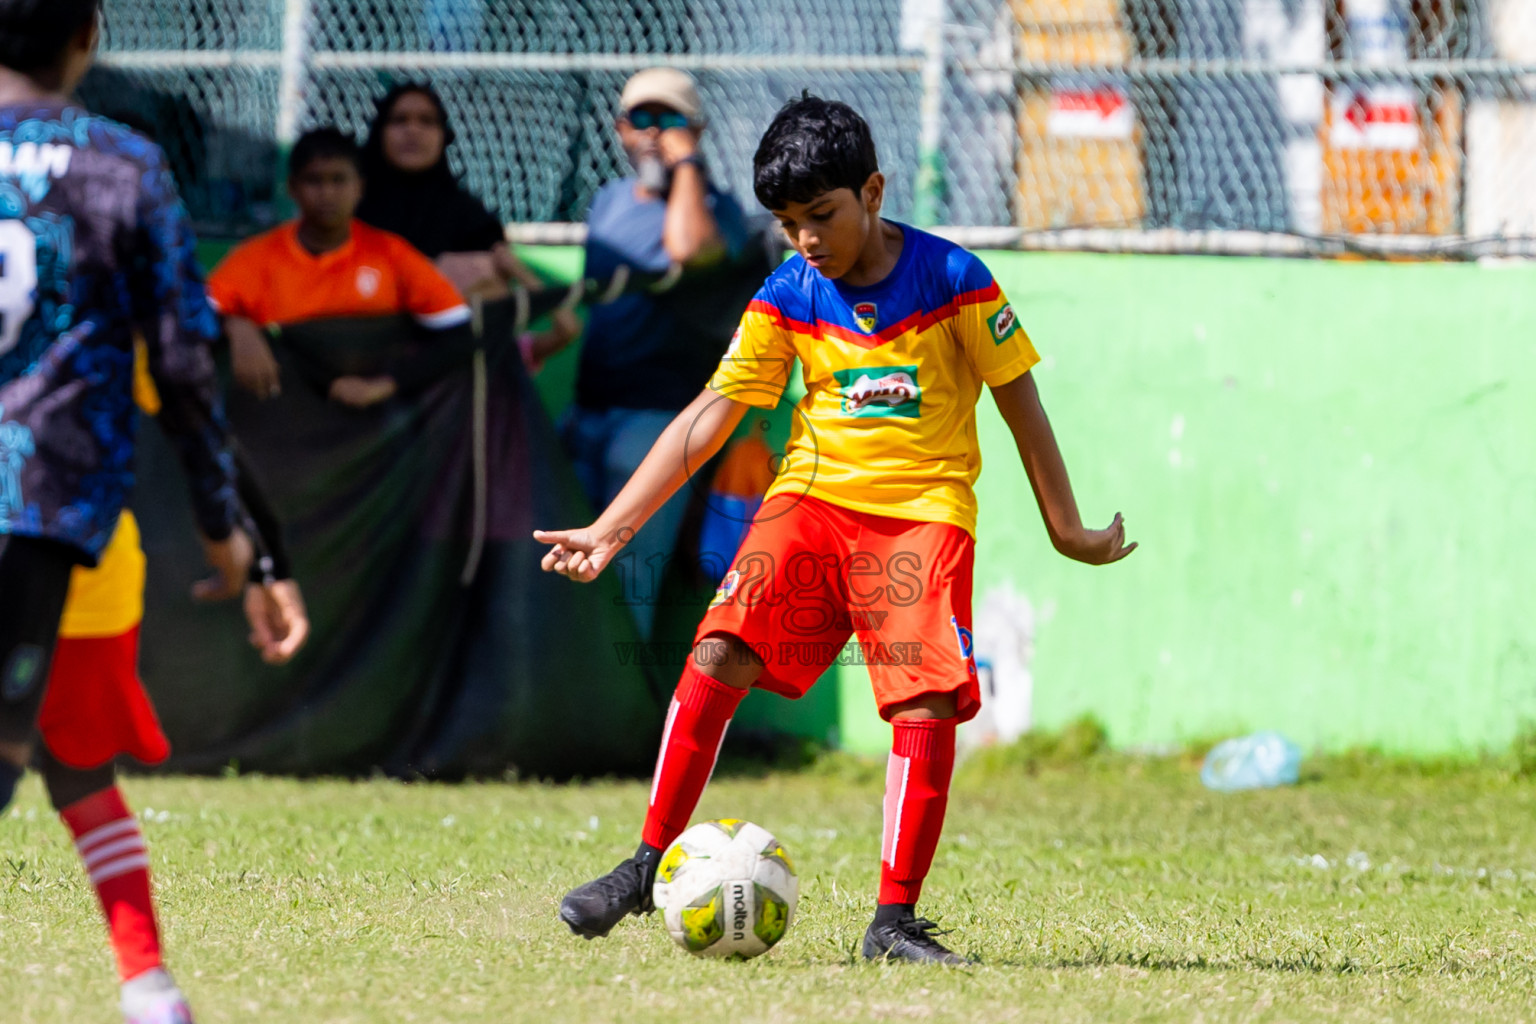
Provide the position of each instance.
(638, 353)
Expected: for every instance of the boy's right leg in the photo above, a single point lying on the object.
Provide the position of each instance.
(777, 601)
(714, 681)
(924, 698)
(111, 846)
(34, 581)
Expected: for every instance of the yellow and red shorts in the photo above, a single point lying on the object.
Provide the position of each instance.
(810, 575)
(95, 707)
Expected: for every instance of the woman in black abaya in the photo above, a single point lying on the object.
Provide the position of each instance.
(411, 191)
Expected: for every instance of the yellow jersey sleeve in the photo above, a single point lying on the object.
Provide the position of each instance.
(989, 331)
(755, 369)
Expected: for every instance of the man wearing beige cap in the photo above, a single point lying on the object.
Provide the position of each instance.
(643, 357)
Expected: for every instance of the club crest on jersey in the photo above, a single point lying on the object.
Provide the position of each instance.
(864, 314)
(726, 589)
(880, 391)
(966, 642)
(368, 281)
(1003, 323)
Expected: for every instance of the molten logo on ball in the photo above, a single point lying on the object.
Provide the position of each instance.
(726, 889)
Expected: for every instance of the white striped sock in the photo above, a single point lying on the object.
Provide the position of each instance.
(107, 851)
(106, 832)
(113, 849)
(895, 800)
(661, 757)
(121, 866)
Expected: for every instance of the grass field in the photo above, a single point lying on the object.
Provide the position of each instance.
(1117, 889)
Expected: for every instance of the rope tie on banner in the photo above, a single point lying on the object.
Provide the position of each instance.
(523, 304)
(573, 296)
(478, 428)
(616, 285)
(671, 277)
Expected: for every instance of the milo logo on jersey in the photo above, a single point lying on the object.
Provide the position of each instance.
(864, 314)
(880, 391)
(1003, 323)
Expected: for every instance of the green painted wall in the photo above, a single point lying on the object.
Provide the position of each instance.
(1329, 467)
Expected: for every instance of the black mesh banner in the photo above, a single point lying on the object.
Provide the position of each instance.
(439, 647)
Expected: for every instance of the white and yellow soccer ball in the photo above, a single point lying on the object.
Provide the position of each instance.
(726, 889)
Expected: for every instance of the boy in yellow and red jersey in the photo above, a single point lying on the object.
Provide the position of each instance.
(869, 527)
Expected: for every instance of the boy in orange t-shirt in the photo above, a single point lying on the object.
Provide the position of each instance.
(329, 264)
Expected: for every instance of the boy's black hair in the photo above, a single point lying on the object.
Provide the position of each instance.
(813, 146)
(326, 143)
(33, 33)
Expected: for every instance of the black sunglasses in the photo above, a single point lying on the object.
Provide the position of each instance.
(644, 120)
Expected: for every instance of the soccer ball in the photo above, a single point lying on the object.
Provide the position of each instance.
(726, 889)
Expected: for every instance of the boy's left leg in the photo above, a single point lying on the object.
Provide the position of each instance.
(916, 641)
(95, 710)
(916, 796)
(112, 849)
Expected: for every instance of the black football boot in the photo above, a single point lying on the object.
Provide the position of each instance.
(899, 934)
(591, 910)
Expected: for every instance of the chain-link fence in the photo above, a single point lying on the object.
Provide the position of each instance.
(1203, 125)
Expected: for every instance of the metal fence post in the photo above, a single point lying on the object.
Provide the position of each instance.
(929, 186)
(298, 22)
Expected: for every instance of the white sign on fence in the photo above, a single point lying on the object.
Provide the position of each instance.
(1375, 117)
(1099, 112)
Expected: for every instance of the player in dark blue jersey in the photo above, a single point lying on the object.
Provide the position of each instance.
(95, 251)
(94, 248)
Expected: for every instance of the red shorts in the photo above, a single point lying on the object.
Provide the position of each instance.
(95, 708)
(810, 574)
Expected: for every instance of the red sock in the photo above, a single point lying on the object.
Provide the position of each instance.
(112, 847)
(701, 709)
(916, 793)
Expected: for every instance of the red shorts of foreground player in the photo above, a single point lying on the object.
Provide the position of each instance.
(810, 575)
(95, 708)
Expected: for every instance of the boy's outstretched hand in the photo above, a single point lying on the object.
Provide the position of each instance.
(578, 554)
(1098, 547)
